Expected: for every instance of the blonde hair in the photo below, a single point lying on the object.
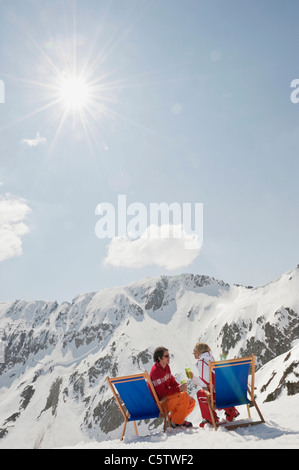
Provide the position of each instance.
(201, 348)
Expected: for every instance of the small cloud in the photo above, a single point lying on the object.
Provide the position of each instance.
(13, 211)
(35, 142)
(168, 246)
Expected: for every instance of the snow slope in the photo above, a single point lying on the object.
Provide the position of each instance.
(53, 389)
(280, 430)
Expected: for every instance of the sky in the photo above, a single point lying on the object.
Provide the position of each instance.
(144, 103)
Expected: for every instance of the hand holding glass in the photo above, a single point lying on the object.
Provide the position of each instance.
(183, 386)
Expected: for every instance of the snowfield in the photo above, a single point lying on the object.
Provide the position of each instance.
(53, 388)
(280, 431)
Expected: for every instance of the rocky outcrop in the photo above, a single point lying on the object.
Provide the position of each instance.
(57, 357)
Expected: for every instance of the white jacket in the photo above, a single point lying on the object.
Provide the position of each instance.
(203, 369)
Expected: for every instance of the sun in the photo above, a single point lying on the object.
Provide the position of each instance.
(75, 93)
(74, 86)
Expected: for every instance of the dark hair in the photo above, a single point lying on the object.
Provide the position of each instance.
(159, 352)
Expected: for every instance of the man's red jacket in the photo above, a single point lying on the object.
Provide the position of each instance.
(163, 381)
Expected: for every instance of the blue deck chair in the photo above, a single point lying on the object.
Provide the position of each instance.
(135, 401)
(232, 388)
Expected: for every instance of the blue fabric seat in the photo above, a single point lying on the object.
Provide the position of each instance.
(137, 399)
(232, 388)
(231, 385)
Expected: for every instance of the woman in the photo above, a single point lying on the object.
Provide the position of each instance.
(203, 354)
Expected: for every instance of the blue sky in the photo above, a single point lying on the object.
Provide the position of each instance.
(188, 102)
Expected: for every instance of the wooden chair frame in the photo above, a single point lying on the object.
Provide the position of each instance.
(250, 388)
(161, 404)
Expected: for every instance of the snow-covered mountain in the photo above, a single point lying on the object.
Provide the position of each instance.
(53, 389)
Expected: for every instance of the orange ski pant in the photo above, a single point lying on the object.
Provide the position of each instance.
(180, 405)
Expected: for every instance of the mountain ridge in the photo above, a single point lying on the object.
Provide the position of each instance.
(57, 356)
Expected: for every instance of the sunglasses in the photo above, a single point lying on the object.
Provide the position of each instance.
(166, 355)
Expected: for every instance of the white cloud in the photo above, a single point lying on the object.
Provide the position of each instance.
(13, 211)
(169, 247)
(35, 142)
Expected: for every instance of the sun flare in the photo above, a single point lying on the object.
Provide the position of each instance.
(74, 93)
(74, 86)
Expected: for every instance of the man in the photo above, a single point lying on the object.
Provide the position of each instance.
(178, 401)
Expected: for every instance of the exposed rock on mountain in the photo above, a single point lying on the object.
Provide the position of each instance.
(57, 357)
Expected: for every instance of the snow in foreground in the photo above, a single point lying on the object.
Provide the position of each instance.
(280, 431)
